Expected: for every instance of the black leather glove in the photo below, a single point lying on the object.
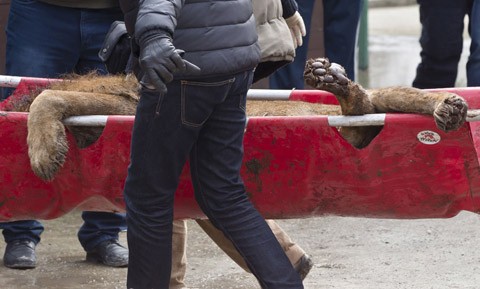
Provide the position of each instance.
(159, 60)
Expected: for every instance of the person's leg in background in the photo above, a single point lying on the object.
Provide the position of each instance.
(441, 41)
(99, 237)
(179, 255)
(28, 53)
(297, 256)
(291, 76)
(340, 24)
(99, 232)
(473, 64)
(33, 50)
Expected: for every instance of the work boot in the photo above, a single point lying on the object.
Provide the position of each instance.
(303, 266)
(20, 254)
(110, 253)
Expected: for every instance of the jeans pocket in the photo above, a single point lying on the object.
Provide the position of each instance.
(199, 99)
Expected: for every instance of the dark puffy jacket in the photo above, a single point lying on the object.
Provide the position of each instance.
(218, 36)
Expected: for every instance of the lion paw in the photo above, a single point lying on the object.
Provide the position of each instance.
(47, 152)
(321, 74)
(451, 113)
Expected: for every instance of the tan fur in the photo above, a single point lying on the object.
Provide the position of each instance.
(448, 109)
(117, 95)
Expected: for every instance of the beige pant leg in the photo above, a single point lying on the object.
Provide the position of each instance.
(179, 254)
(292, 250)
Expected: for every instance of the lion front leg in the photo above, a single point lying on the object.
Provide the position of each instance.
(47, 143)
(448, 109)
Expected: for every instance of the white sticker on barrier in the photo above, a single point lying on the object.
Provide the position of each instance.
(428, 137)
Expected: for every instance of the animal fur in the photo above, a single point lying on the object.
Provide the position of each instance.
(117, 95)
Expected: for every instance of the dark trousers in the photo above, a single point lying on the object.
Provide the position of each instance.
(442, 42)
(45, 40)
(203, 121)
(340, 23)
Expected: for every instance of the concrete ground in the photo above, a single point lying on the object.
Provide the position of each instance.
(349, 253)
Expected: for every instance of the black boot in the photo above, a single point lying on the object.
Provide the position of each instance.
(110, 253)
(20, 254)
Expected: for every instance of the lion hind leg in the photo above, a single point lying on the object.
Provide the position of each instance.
(352, 97)
(448, 109)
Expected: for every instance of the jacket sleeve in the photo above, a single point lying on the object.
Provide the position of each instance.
(157, 15)
(289, 8)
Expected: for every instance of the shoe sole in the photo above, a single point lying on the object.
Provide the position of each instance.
(94, 258)
(21, 266)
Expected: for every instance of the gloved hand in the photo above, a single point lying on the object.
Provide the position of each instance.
(116, 48)
(297, 28)
(160, 60)
(118, 59)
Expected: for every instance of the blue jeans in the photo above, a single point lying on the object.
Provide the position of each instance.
(442, 42)
(46, 41)
(473, 64)
(340, 23)
(204, 121)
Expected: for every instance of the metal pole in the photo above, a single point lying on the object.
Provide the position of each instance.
(374, 119)
(363, 38)
(9, 81)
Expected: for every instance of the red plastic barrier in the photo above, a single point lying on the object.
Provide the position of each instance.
(293, 167)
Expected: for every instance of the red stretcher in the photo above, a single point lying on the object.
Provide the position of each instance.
(294, 167)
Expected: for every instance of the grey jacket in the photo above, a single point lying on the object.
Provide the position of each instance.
(217, 36)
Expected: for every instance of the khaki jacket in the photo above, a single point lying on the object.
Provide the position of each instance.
(274, 38)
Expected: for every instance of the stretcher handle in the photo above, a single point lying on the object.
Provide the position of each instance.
(13, 81)
(9, 81)
(361, 120)
(374, 119)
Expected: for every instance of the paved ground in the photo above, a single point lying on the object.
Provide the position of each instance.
(350, 253)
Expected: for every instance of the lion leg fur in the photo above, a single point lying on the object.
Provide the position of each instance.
(448, 109)
(46, 139)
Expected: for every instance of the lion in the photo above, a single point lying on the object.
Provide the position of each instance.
(118, 95)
